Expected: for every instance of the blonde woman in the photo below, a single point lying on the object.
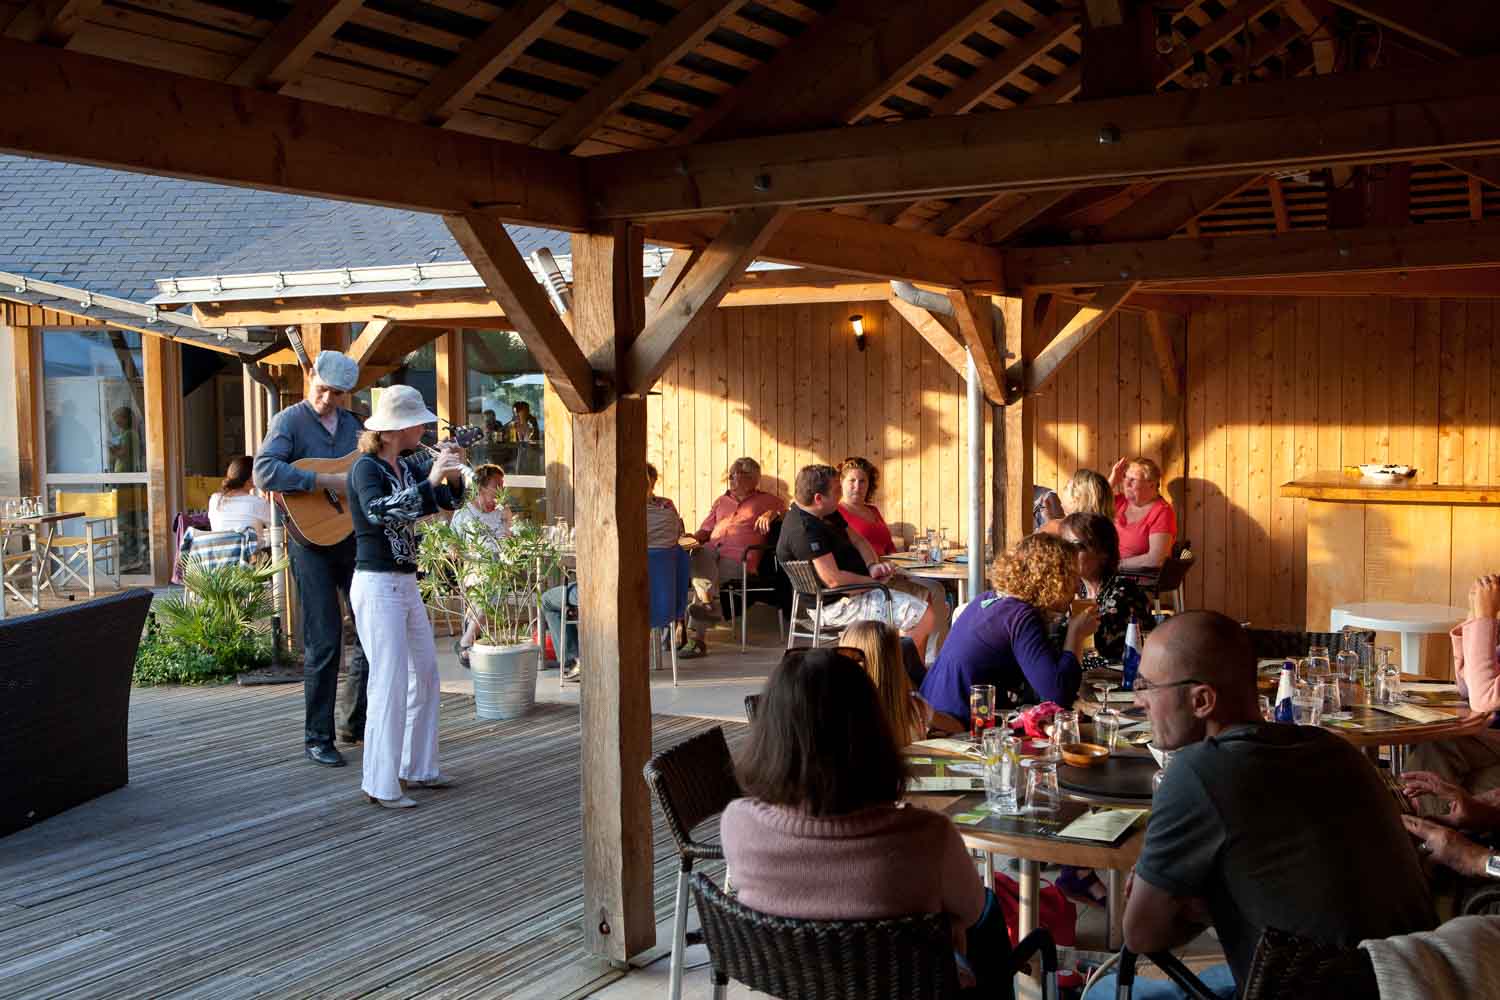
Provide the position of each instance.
(388, 495)
(1086, 492)
(909, 714)
(1002, 638)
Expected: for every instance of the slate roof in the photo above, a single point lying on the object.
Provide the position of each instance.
(115, 233)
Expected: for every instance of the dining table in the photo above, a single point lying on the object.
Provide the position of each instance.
(953, 569)
(39, 530)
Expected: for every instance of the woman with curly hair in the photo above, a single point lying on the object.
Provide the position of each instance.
(1002, 638)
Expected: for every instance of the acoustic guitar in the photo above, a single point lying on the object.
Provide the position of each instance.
(322, 517)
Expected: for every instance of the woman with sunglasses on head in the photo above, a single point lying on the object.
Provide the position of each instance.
(821, 833)
(906, 711)
(1119, 598)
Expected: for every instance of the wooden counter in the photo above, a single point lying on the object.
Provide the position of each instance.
(1412, 542)
(1342, 488)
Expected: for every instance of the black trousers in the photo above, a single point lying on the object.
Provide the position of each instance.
(323, 573)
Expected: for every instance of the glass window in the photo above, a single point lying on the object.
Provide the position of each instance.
(505, 398)
(418, 369)
(131, 523)
(94, 402)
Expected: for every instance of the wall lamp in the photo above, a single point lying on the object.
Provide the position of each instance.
(857, 324)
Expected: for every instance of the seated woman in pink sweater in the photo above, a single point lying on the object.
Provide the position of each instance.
(1471, 762)
(822, 833)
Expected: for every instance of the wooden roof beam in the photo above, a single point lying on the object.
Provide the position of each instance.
(230, 135)
(51, 22)
(1433, 246)
(1457, 27)
(940, 336)
(376, 332)
(1314, 20)
(483, 59)
(988, 78)
(282, 54)
(976, 323)
(1078, 331)
(854, 246)
(634, 73)
(697, 295)
(1378, 116)
(510, 281)
(1456, 283)
(677, 265)
(1171, 206)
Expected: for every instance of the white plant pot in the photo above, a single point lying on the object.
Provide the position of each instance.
(504, 679)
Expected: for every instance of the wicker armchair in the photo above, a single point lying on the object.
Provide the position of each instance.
(1269, 643)
(692, 781)
(65, 706)
(808, 586)
(907, 957)
(1285, 967)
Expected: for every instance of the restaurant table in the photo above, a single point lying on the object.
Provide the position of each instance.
(915, 564)
(41, 552)
(1034, 840)
(1413, 621)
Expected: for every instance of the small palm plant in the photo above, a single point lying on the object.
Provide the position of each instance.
(225, 609)
(501, 580)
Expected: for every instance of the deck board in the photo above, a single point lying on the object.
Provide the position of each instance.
(229, 867)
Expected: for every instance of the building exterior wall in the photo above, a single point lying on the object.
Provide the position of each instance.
(10, 454)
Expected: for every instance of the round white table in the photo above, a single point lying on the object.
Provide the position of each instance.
(1413, 621)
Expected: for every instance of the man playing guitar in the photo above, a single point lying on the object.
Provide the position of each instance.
(320, 427)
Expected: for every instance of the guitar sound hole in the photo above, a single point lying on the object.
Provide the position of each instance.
(333, 501)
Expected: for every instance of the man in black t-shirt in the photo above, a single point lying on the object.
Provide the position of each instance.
(814, 531)
(1256, 824)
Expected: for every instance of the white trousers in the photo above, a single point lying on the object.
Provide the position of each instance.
(401, 722)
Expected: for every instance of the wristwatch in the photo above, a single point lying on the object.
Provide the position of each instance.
(1492, 866)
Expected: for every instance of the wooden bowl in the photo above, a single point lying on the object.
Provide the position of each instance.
(1083, 754)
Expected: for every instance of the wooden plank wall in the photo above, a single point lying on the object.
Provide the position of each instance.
(785, 385)
(1279, 388)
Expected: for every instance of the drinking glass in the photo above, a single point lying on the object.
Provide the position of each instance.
(1387, 678)
(1307, 704)
(1160, 775)
(1107, 728)
(1001, 771)
(935, 545)
(10, 509)
(1065, 728)
(1042, 794)
(41, 505)
(1266, 711)
(981, 710)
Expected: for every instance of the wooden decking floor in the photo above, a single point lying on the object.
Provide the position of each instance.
(232, 867)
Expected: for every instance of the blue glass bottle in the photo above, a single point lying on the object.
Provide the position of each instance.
(1132, 655)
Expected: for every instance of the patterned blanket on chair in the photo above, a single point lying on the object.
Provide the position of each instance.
(219, 548)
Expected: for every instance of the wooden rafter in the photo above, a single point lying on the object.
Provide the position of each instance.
(1378, 116)
(680, 262)
(1278, 204)
(988, 78)
(1169, 207)
(1314, 20)
(675, 39)
(1483, 168)
(1455, 283)
(854, 246)
(376, 332)
(695, 297)
(1457, 27)
(510, 281)
(263, 140)
(281, 55)
(1077, 332)
(938, 335)
(1372, 249)
(828, 74)
(976, 324)
(483, 59)
(1220, 31)
(1476, 198)
(52, 22)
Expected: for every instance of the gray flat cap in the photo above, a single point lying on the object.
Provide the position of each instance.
(337, 370)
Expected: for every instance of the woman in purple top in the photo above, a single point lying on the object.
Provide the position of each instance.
(1001, 638)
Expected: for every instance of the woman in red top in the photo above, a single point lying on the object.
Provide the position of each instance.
(1143, 518)
(859, 478)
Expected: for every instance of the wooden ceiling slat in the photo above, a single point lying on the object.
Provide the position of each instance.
(286, 50)
(53, 22)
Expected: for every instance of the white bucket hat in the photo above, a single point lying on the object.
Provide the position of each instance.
(398, 408)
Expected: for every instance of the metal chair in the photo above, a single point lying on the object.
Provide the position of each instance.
(907, 957)
(1285, 967)
(767, 584)
(692, 782)
(806, 585)
(100, 538)
(1167, 578)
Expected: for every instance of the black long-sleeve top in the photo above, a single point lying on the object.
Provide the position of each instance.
(387, 507)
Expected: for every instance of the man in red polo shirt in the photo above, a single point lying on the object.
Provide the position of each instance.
(742, 517)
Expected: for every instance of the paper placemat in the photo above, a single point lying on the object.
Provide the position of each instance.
(947, 745)
(1104, 825)
(1415, 714)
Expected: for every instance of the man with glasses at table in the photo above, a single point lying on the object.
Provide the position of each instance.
(1256, 824)
(320, 427)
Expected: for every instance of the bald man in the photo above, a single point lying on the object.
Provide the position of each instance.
(1257, 824)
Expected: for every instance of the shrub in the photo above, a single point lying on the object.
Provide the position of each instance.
(215, 629)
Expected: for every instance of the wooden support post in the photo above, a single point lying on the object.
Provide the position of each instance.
(452, 380)
(977, 327)
(1084, 324)
(163, 377)
(26, 344)
(610, 448)
(1015, 432)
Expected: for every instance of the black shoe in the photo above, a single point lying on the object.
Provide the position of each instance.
(324, 754)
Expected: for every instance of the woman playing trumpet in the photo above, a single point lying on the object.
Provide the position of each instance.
(390, 491)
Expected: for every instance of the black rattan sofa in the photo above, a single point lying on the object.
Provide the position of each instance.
(65, 705)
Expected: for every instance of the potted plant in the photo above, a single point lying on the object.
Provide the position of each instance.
(501, 581)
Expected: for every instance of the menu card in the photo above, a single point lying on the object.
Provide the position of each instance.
(1415, 714)
(928, 774)
(1102, 824)
(961, 747)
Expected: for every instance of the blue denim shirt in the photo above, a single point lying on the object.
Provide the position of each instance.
(295, 433)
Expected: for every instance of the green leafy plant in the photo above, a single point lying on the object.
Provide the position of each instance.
(501, 580)
(218, 627)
